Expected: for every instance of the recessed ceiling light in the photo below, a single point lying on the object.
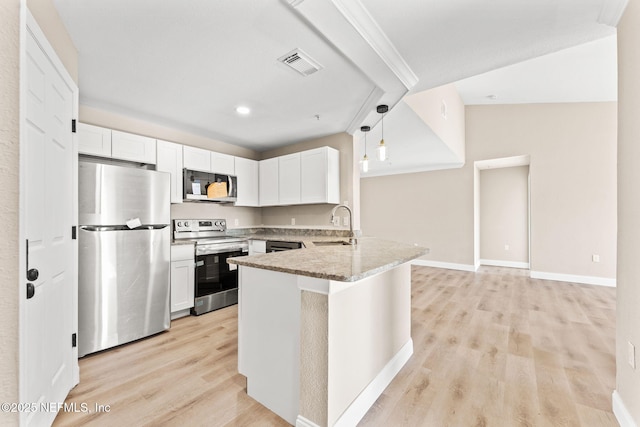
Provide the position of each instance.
(492, 96)
(243, 110)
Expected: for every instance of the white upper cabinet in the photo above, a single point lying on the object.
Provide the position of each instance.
(222, 163)
(307, 177)
(135, 148)
(196, 159)
(94, 140)
(289, 179)
(248, 184)
(320, 175)
(269, 182)
(169, 159)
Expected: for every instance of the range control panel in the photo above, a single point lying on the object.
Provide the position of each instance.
(197, 225)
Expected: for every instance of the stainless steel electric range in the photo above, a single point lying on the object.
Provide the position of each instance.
(216, 282)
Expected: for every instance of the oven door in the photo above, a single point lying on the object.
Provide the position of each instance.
(214, 275)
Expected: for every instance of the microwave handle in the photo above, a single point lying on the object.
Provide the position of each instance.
(230, 184)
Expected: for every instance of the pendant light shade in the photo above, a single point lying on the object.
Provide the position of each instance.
(364, 163)
(382, 149)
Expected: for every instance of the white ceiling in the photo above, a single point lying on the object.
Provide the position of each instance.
(189, 63)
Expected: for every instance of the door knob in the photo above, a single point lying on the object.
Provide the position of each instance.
(33, 274)
(31, 290)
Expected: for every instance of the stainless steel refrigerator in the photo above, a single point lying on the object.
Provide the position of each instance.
(124, 242)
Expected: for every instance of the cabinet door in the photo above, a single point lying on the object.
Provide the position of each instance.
(196, 159)
(247, 173)
(257, 247)
(222, 163)
(289, 179)
(320, 175)
(182, 285)
(94, 140)
(169, 159)
(136, 148)
(268, 172)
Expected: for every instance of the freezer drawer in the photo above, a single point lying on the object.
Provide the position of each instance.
(113, 195)
(123, 286)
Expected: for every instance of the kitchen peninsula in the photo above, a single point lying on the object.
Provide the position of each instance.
(324, 329)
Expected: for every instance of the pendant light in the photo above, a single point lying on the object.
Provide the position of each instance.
(364, 163)
(382, 150)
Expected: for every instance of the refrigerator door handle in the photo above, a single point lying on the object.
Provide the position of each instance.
(122, 227)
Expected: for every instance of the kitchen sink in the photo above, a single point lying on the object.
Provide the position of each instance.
(331, 243)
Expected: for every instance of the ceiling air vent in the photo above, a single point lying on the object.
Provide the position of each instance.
(301, 62)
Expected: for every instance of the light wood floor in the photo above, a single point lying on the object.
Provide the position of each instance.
(494, 348)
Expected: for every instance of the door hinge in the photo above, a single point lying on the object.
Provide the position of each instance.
(73, 125)
(74, 340)
(73, 232)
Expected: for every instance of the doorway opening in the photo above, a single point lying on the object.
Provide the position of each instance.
(502, 230)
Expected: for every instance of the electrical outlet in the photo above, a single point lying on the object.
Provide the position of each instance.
(236, 222)
(293, 221)
(595, 258)
(345, 221)
(336, 221)
(631, 354)
(506, 247)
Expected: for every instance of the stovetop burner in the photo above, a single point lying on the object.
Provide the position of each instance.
(209, 235)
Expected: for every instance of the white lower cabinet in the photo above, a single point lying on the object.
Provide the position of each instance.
(182, 280)
(257, 247)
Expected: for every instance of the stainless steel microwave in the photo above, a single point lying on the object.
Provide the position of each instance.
(196, 187)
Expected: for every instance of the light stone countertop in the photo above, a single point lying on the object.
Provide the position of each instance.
(344, 263)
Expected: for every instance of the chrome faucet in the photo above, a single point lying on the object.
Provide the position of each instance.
(352, 239)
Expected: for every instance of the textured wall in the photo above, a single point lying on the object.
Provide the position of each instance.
(9, 146)
(628, 292)
(314, 356)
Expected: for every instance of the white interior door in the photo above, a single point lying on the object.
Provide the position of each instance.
(48, 359)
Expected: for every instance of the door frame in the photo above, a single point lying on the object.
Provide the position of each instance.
(28, 25)
(503, 162)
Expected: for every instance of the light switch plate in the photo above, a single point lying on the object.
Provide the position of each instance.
(632, 354)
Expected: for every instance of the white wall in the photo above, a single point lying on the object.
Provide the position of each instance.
(628, 291)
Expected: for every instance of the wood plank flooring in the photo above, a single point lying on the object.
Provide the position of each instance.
(493, 348)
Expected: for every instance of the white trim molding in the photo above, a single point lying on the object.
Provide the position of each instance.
(500, 263)
(359, 407)
(447, 265)
(585, 280)
(621, 412)
(303, 422)
(359, 17)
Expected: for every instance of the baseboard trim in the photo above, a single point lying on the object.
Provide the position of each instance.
(359, 407)
(500, 263)
(586, 280)
(620, 411)
(447, 265)
(303, 422)
(361, 404)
